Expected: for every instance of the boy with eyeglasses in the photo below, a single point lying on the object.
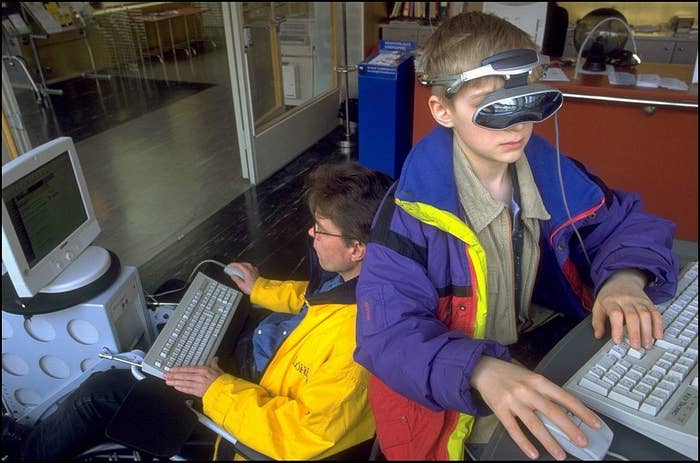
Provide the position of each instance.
(476, 245)
(296, 393)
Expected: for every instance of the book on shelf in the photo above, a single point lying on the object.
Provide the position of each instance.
(418, 10)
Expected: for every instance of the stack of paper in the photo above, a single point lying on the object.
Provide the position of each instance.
(648, 80)
(673, 84)
(622, 78)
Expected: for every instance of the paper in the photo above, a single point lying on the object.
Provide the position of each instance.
(648, 80)
(387, 58)
(672, 83)
(554, 74)
(622, 78)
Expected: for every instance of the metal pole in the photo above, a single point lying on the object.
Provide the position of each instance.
(347, 145)
(347, 80)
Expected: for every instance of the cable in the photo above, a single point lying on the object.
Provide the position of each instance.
(590, 34)
(189, 280)
(617, 455)
(563, 193)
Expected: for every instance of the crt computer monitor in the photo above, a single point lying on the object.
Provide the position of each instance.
(47, 216)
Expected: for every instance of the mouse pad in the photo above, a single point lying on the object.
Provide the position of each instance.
(153, 418)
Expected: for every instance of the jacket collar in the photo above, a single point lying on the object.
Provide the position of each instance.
(342, 294)
(430, 163)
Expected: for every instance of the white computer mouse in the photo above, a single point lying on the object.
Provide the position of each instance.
(233, 271)
(598, 439)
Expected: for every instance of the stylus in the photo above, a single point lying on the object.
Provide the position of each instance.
(117, 359)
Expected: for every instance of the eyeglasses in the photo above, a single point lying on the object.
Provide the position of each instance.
(318, 232)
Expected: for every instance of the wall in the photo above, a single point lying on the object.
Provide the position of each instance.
(374, 14)
(637, 13)
(356, 34)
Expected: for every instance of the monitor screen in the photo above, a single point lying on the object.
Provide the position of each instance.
(47, 216)
(45, 207)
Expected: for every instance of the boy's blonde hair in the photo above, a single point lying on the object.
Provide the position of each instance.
(464, 41)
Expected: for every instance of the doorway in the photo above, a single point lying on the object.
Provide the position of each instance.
(283, 56)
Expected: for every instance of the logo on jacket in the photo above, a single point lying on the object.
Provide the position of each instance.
(301, 368)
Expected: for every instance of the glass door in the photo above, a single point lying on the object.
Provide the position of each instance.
(282, 58)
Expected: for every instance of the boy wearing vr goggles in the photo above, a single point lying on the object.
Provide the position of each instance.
(485, 220)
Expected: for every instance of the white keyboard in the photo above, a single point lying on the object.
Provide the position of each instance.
(195, 329)
(654, 391)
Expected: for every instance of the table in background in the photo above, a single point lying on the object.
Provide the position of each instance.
(156, 18)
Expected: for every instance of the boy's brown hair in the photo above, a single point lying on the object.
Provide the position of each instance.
(464, 41)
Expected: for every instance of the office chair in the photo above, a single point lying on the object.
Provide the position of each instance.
(199, 445)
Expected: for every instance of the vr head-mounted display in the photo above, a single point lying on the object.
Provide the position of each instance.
(517, 102)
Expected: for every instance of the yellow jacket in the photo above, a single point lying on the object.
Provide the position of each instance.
(312, 398)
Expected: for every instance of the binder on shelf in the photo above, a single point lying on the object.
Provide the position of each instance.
(417, 10)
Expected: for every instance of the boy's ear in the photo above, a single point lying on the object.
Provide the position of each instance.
(440, 111)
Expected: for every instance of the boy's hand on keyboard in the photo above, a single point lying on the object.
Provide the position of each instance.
(194, 380)
(622, 299)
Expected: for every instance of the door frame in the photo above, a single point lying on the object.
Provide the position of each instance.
(262, 154)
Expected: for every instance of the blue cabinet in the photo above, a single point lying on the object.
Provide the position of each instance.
(385, 107)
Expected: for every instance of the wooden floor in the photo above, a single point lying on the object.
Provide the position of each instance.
(158, 148)
(266, 225)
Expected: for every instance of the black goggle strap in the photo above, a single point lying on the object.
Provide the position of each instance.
(514, 65)
(517, 80)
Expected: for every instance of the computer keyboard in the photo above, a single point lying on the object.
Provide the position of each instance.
(652, 391)
(195, 330)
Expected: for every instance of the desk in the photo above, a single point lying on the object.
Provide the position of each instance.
(558, 365)
(156, 18)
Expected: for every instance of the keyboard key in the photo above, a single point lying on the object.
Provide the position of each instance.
(642, 389)
(596, 385)
(669, 343)
(625, 397)
(651, 406)
(662, 367)
(637, 353)
(606, 362)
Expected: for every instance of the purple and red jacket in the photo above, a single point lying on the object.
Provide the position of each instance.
(421, 295)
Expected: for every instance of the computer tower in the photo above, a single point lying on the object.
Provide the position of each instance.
(46, 356)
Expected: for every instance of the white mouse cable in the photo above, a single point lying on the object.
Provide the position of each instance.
(617, 456)
(189, 279)
(563, 193)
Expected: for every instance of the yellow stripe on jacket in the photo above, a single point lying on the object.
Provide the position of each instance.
(449, 223)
